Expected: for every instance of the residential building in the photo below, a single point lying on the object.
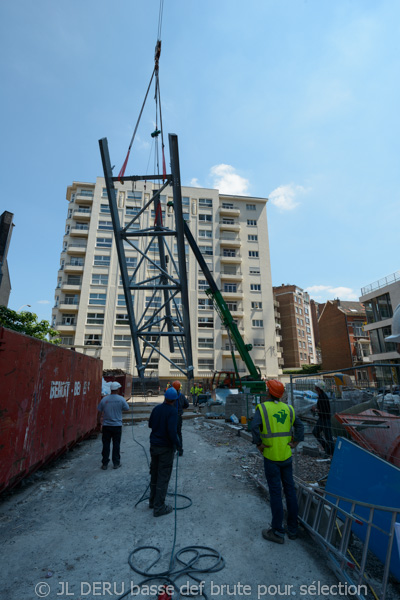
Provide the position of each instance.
(231, 231)
(380, 300)
(344, 342)
(278, 332)
(6, 227)
(296, 327)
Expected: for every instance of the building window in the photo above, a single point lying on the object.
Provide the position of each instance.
(304, 344)
(205, 218)
(97, 299)
(230, 288)
(299, 332)
(131, 262)
(122, 319)
(205, 202)
(250, 206)
(95, 319)
(258, 343)
(232, 306)
(86, 193)
(103, 242)
(296, 309)
(378, 344)
(153, 302)
(257, 323)
(228, 221)
(133, 227)
(229, 252)
(206, 322)
(206, 343)
(206, 364)
(205, 304)
(132, 210)
(228, 205)
(122, 340)
(203, 285)
(255, 287)
(105, 209)
(121, 300)
(101, 260)
(205, 233)
(131, 195)
(105, 225)
(98, 279)
(74, 280)
(206, 250)
(93, 339)
(251, 223)
(76, 262)
(300, 344)
(253, 253)
(302, 322)
(67, 341)
(70, 299)
(252, 238)
(256, 305)
(68, 320)
(254, 270)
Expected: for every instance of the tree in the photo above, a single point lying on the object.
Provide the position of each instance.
(27, 322)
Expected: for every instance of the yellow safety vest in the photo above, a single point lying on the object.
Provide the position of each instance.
(277, 421)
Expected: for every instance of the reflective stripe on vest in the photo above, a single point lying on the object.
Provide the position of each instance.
(277, 437)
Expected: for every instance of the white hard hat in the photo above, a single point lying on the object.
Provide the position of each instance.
(395, 337)
(321, 385)
(115, 385)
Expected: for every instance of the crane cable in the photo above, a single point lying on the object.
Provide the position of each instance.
(155, 74)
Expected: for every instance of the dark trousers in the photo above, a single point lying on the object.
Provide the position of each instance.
(277, 476)
(111, 433)
(162, 459)
(323, 432)
(179, 429)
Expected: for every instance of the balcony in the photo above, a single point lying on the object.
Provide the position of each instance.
(226, 351)
(225, 240)
(76, 249)
(83, 199)
(232, 276)
(71, 287)
(238, 294)
(79, 231)
(82, 214)
(66, 327)
(229, 212)
(71, 268)
(224, 332)
(68, 306)
(229, 226)
(237, 259)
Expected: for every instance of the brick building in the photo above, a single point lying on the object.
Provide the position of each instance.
(344, 343)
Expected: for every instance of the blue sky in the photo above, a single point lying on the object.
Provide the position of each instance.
(293, 100)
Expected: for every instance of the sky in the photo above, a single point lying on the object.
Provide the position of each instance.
(294, 100)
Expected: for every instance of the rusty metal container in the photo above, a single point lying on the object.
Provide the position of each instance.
(126, 384)
(49, 398)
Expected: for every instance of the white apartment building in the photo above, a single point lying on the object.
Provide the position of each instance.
(231, 232)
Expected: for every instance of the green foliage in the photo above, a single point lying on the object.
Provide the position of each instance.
(27, 322)
(306, 369)
(292, 371)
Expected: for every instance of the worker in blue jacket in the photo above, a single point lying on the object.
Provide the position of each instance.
(181, 403)
(164, 441)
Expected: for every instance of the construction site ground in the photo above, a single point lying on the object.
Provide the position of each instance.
(67, 532)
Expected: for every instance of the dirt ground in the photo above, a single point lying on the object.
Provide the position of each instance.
(68, 532)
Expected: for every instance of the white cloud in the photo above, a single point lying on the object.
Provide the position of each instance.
(284, 196)
(322, 293)
(194, 182)
(43, 302)
(227, 181)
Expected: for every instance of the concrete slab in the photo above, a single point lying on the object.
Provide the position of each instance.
(71, 530)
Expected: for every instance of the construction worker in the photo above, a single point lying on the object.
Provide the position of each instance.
(164, 441)
(181, 404)
(192, 394)
(395, 337)
(271, 429)
(112, 407)
(323, 429)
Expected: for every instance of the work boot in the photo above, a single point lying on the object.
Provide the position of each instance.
(165, 510)
(180, 452)
(117, 466)
(104, 467)
(271, 536)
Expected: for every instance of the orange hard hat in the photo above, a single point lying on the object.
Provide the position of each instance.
(177, 385)
(276, 388)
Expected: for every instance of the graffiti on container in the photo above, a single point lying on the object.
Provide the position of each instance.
(60, 389)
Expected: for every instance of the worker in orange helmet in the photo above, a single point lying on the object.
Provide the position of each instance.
(181, 404)
(271, 428)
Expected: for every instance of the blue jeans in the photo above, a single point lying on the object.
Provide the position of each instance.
(277, 476)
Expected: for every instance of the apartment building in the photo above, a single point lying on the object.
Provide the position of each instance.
(344, 343)
(380, 300)
(231, 231)
(296, 328)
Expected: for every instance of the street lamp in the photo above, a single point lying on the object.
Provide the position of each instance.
(23, 306)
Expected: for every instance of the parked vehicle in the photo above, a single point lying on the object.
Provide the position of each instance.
(149, 386)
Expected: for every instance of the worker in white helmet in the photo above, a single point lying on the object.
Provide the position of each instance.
(395, 337)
